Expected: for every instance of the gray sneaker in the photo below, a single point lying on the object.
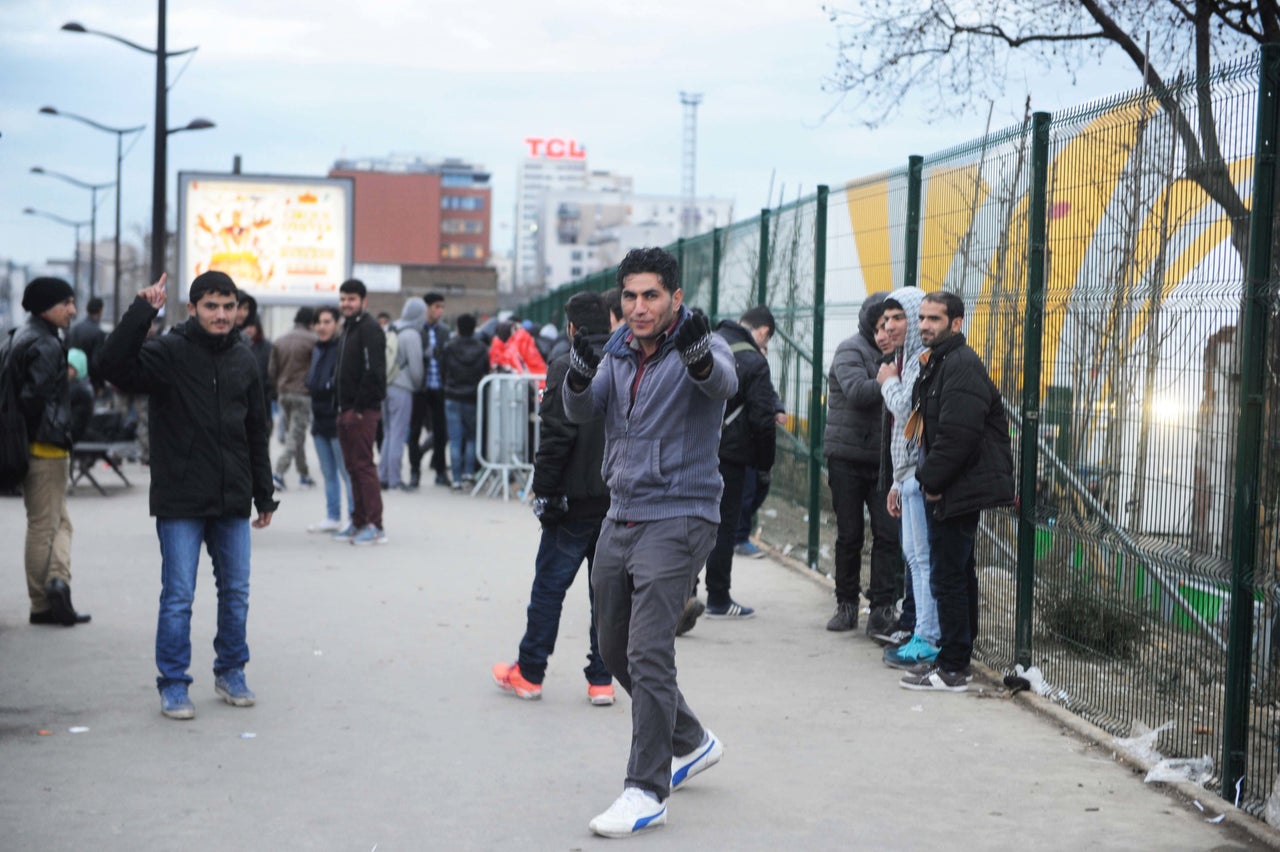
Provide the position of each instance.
(689, 617)
(935, 679)
(881, 622)
(846, 618)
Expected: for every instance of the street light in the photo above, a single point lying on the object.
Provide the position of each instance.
(120, 133)
(93, 217)
(159, 175)
(75, 274)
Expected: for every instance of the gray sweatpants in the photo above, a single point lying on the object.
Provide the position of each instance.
(641, 578)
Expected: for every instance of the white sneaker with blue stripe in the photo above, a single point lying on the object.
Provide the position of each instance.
(631, 813)
(703, 757)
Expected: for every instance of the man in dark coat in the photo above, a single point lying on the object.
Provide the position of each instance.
(852, 442)
(87, 336)
(361, 385)
(38, 367)
(967, 467)
(570, 501)
(209, 469)
(748, 438)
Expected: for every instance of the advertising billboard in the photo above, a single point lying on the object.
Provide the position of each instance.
(283, 239)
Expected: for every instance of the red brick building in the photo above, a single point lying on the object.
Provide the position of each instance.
(413, 212)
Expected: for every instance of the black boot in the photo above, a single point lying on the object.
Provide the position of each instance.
(415, 478)
(60, 609)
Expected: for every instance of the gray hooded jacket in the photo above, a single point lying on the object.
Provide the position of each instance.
(408, 331)
(853, 397)
(897, 392)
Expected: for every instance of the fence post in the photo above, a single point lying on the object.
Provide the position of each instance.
(911, 250)
(713, 309)
(762, 268)
(815, 393)
(1029, 430)
(1245, 505)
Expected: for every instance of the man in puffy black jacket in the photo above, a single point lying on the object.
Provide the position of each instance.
(967, 467)
(463, 365)
(852, 442)
(37, 363)
(570, 501)
(209, 468)
(748, 438)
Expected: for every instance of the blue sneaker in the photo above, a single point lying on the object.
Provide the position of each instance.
(913, 653)
(231, 687)
(174, 702)
(369, 535)
(749, 548)
(730, 610)
(345, 534)
(703, 757)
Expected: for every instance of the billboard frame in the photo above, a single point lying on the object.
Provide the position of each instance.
(345, 184)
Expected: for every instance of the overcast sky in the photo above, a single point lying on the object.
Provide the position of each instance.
(294, 86)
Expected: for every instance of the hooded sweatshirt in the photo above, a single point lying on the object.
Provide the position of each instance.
(897, 392)
(408, 331)
(853, 430)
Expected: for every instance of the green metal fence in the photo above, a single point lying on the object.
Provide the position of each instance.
(1120, 283)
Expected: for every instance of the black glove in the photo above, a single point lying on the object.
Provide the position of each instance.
(693, 342)
(550, 510)
(582, 363)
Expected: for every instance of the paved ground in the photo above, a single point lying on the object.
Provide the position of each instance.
(378, 725)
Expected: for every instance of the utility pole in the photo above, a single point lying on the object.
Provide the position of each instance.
(689, 218)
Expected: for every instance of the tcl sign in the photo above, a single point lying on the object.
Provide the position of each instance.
(555, 149)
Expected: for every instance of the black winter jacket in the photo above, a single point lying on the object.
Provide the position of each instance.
(967, 454)
(750, 439)
(208, 415)
(464, 361)
(39, 363)
(320, 384)
(570, 455)
(362, 364)
(855, 409)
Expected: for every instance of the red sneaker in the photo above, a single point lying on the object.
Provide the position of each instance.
(508, 678)
(600, 695)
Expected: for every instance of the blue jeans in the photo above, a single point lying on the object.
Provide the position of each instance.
(334, 471)
(180, 539)
(461, 417)
(916, 550)
(560, 553)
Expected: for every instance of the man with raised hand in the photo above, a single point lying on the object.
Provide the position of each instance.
(661, 389)
(209, 468)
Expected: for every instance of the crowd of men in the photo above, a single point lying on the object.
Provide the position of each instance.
(656, 446)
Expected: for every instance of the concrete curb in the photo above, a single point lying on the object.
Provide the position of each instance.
(1081, 727)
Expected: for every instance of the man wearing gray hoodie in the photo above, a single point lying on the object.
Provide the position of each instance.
(407, 380)
(906, 500)
(660, 387)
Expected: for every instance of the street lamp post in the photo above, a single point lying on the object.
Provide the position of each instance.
(75, 273)
(161, 133)
(120, 133)
(93, 218)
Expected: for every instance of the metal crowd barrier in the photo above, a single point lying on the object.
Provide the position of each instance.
(506, 432)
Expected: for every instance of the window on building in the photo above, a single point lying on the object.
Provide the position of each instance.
(461, 251)
(461, 202)
(575, 271)
(575, 255)
(462, 226)
(457, 181)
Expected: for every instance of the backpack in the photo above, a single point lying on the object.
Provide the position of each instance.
(393, 354)
(13, 426)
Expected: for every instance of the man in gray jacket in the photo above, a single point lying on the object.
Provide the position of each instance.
(852, 446)
(661, 389)
(406, 381)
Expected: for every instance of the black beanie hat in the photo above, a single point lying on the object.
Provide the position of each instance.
(43, 293)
